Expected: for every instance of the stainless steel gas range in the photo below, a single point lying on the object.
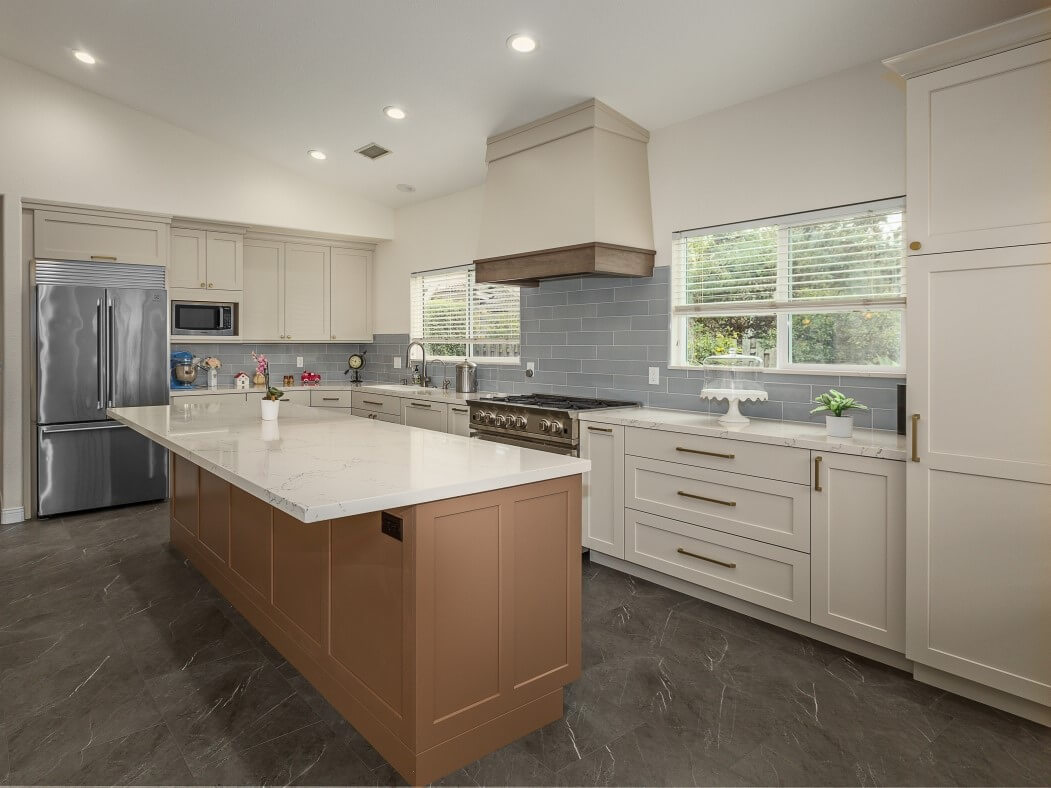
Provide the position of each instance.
(547, 422)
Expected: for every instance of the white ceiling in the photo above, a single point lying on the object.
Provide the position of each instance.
(276, 77)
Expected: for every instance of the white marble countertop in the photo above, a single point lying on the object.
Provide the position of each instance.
(865, 443)
(392, 389)
(320, 463)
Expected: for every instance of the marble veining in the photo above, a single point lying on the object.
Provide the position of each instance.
(864, 443)
(322, 463)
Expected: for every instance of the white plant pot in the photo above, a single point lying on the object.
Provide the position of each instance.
(270, 408)
(213, 378)
(839, 426)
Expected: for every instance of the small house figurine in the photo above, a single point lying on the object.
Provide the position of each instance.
(241, 381)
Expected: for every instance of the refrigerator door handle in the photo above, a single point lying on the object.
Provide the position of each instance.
(99, 374)
(84, 428)
(109, 352)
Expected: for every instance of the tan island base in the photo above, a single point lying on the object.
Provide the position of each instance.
(441, 631)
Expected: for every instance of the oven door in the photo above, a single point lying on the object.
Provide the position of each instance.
(526, 443)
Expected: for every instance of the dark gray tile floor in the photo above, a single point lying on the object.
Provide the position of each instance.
(120, 664)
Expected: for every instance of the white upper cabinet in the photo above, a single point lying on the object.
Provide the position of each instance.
(306, 292)
(206, 260)
(349, 296)
(262, 307)
(61, 235)
(187, 268)
(979, 153)
(225, 261)
(857, 530)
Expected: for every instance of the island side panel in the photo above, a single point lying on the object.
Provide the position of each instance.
(251, 542)
(184, 481)
(213, 518)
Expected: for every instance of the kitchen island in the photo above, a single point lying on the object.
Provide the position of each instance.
(427, 584)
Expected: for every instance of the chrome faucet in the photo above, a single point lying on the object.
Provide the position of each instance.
(423, 364)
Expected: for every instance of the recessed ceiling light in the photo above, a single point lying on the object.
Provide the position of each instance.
(520, 42)
(394, 113)
(84, 57)
(405, 187)
(317, 154)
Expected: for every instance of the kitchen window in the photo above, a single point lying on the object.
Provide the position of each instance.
(819, 291)
(456, 317)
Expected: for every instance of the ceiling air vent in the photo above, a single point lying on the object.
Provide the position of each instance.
(372, 151)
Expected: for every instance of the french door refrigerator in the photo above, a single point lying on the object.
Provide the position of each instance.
(101, 341)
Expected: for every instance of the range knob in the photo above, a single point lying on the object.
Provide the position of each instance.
(477, 416)
(487, 416)
(501, 421)
(521, 422)
(544, 425)
(556, 427)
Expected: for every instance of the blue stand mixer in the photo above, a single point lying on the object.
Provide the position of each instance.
(184, 371)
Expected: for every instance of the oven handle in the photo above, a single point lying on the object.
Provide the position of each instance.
(567, 451)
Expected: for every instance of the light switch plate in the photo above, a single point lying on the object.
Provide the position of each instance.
(655, 375)
(397, 362)
(299, 362)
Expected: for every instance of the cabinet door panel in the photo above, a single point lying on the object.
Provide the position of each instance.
(858, 548)
(262, 305)
(306, 292)
(225, 261)
(187, 268)
(58, 235)
(979, 161)
(459, 420)
(349, 294)
(602, 526)
(428, 415)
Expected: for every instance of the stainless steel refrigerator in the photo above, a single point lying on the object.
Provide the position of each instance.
(101, 341)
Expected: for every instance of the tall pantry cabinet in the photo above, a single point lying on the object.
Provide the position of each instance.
(979, 349)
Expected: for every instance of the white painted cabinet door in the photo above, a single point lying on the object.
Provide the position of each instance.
(428, 415)
(979, 497)
(349, 296)
(187, 266)
(225, 261)
(602, 488)
(58, 235)
(857, 529)
(459, 420)
(262, 305)
(979, 153)
(306, 292)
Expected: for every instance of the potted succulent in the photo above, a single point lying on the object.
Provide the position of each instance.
(271, 402)
(836, 404)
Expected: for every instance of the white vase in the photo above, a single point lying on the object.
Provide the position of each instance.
(839, 426)
(213, 378)
(270, 408)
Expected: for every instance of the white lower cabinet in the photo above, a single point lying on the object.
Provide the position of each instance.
(602, 490)
(857, 526)
(459, 420)
(424, 414)
(376, 416)
(299, 397)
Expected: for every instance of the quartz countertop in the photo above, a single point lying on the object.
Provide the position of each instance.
(865, 443)
(321, 463)
(392, 389)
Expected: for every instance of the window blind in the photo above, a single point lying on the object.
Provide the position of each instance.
(833, 259)
(448, 306)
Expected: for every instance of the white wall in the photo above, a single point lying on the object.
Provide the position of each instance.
(435, 234)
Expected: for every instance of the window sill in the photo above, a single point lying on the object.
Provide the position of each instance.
(776, 371)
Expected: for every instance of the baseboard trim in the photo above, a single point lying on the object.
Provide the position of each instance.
(990, 696)
(15, 514)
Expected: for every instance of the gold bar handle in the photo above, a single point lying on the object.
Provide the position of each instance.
(108, 258)
(727, 564)
(915, 437)
(710, 500)
(419, 404)
(371, 402)
(705, 453)
(817, 474)
(458, 410)
(600, 429)
(330, 399)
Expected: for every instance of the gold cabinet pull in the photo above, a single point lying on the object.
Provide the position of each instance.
(685, 494)
(459, 410)
(419, 405)
(106, 257)
(915, 246)
(915, 437)
(330, 399)
(727, 564)
(371, 402)
(209, 284)
(600, 429)
(204, 284)
(705, 453)
(817, 474)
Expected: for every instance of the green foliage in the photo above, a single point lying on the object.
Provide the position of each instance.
(710, 336)
(836, 403)
(273, 394)
(870, 338)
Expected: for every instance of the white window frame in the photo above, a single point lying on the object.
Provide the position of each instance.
(470, 341)
(783, 311)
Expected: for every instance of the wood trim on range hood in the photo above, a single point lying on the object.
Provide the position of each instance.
(527, 269)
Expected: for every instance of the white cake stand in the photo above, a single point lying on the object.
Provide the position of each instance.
(733, 414)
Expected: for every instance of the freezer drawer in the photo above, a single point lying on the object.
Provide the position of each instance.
(97, 464)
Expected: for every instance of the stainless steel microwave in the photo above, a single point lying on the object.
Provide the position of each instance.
(203, 318)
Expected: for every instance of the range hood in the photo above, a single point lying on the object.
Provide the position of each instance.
(566, 195)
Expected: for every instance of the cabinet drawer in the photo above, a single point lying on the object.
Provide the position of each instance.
(330, 399)
(749, 506)
(376, 415)
(763, 574)
(58, 235)
(755, 459)
(381, 403)
(212, 401)
(297, 397)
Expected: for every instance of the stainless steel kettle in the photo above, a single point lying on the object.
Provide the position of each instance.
(466, 377)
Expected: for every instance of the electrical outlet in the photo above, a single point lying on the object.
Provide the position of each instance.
(655, 375)
(299, 362)
(530, 366)
(397, 362)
